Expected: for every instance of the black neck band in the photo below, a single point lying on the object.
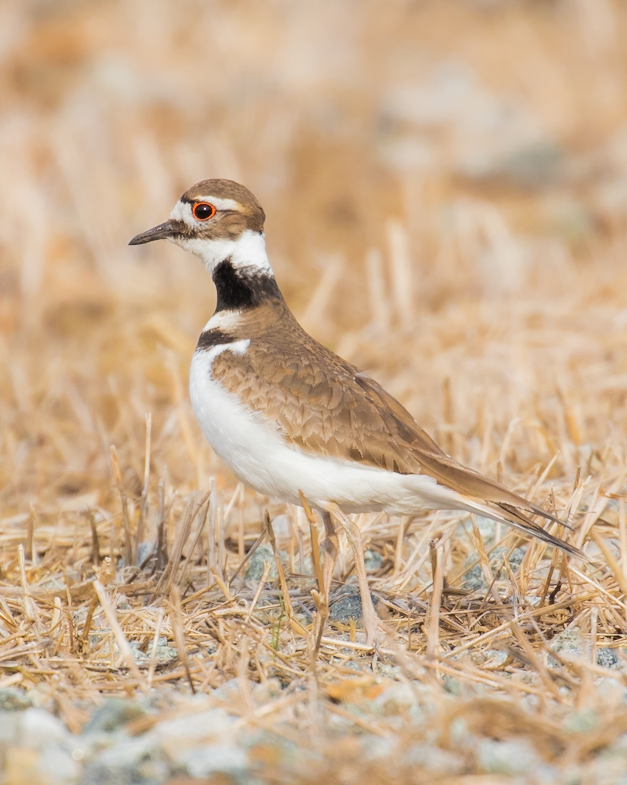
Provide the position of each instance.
(238, 290)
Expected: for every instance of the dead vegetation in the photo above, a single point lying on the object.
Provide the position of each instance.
(493, 307)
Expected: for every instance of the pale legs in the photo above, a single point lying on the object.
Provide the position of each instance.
(330, 547)
(371, 622)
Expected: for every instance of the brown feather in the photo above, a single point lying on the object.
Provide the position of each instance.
(325, 406)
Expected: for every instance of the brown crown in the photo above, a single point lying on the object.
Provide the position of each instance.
(249, 216)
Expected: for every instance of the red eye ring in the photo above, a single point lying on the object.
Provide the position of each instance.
(203, 211)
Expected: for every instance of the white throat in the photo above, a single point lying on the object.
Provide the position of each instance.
(248, 251)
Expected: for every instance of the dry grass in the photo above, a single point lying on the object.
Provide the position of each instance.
(495, 312)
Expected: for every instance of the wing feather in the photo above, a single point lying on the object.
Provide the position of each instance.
(324, 405)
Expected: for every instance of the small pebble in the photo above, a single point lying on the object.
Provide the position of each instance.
(581, 721)
(262, 556)
(129, 761)
(37, 727)
(206, 760)
(569, 644)
(474, 580)
(113, 714)
(516, 756)
(373, 560)
(12, 699)
(608, 658)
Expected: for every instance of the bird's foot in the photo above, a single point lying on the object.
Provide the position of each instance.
(375, 631)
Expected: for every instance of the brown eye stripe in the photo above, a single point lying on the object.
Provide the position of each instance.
(203, 211)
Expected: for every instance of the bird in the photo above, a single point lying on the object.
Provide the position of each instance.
(292, 419)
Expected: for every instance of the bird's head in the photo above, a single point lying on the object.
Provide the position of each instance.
(216, 220)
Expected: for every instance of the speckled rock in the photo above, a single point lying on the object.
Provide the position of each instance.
(129, 761)
(264, 554)
(164, 652)
(507, 757)
(346, 604)
(206, 760)
(38, 727)
(569, 644)
(581, 721)
(474, 581)
(608, 658)
(373, 560)
(12, 699)
(57, 763)
(489, 658)
(435, 760)
(113, 714)
(398, 698)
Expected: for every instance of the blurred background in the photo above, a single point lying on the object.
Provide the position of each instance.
(446, 189)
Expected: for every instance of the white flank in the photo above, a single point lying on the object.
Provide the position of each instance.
(255, 451)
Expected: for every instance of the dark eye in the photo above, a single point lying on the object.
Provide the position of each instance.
(203, 210)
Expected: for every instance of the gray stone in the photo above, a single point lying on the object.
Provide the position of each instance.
(373, 560)
(507, 757)
(113, 714)
(58, 764)
(9, 724)
(610, 691)
(130, 761)
(38, 727)
(262, 556)
(205, 760)
(266, 691)
(608, 658)
(434, 760)
(165, 652)
(569, 644)
(196, 727)
(397, 697)
(489, 658)
(474, 581)
(451, 684)
(227, 692)
(346, 604)
(390, 670)
(581, 721)
(144, 550)
(379, 748)
(12, 699)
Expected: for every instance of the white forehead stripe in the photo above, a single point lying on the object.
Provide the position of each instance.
(183, 210)
(219, 204)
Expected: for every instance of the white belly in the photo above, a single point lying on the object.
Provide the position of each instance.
(258, 455)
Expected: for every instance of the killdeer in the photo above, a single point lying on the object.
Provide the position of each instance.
(289, 417)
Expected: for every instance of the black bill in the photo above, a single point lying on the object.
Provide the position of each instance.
(161, 232)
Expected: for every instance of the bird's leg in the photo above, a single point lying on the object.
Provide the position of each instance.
(372, 623)
(330, 546)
